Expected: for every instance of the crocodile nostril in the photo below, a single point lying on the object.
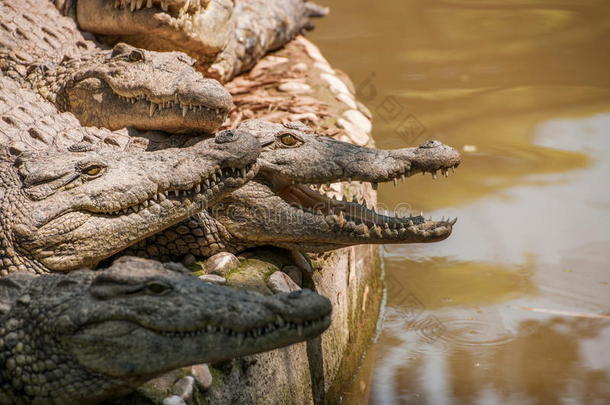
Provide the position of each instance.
(226, 136)
(430, 144)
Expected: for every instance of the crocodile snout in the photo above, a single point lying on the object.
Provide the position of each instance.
(238, 146)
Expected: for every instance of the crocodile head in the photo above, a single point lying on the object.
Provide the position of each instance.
(64, 210)
(103, 333)
(132, 87)
(226, 37)
(198, 27)
(281, 208)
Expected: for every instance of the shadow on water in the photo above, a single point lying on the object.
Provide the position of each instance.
(514, 308)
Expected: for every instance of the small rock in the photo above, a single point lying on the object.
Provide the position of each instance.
(355, 134)
(311, 49)
(336, 85)
(267, 63)
(294, 87)
(357, 126)
(184, 388)
(189, 260)
(280, 282)
(202, 375)
(324, 67)
(213, 278)
(294, 273)
(359, 119)
(301, 261)
(221, 263)
(300, 67)
(309, 116)
(174, 400)
(344, 77)
(346, 99)
(364, 110)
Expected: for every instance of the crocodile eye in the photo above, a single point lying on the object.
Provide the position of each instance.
(289, 140)
(226, 136)
(120, 49)
(93, 171)
(137, 55)
(157, 288)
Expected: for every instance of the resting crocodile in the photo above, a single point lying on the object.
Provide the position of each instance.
(112, 88)
(89, 335)
(272, 210)
(225, 38)
(279, 208)
(72, 196)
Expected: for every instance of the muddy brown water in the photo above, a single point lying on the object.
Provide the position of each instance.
(514, 308)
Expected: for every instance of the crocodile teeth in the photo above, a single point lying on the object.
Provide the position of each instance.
(152, 109)
(184, 110)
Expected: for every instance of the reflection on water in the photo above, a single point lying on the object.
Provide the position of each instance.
(514, 308)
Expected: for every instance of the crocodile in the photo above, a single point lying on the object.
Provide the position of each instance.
(279, 207)
(67, 202)
(88, 336)
(225, 37)
(113, 88)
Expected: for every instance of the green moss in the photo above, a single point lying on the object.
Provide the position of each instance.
(252, 274)
(197, 268)
(217, 376)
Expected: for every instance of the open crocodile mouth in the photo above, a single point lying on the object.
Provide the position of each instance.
(216, 181)
(302, 328)
(355, 218)
(174, 106)
(190, 6)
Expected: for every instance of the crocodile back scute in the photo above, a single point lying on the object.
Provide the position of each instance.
(28, 122)
(34, 29)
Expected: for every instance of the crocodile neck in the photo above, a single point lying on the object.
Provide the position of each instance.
(11, 260)
(46, 79)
